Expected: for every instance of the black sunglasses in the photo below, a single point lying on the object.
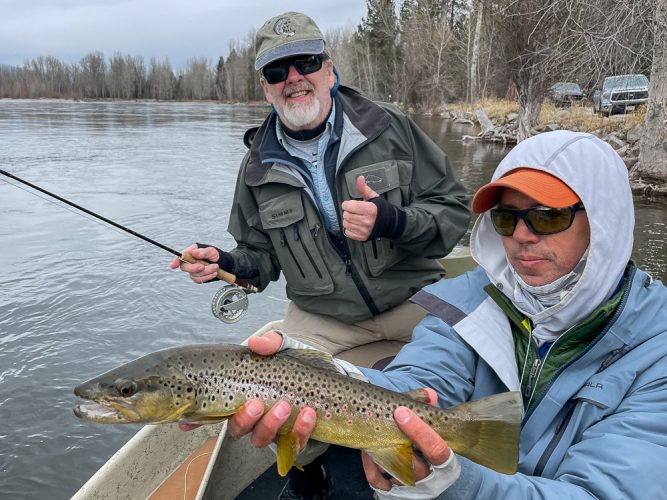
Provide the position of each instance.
(277, 71)
(540, 220)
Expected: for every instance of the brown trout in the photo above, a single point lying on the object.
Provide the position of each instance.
(208, 383)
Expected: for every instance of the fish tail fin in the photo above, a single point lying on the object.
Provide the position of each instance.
(487, 431)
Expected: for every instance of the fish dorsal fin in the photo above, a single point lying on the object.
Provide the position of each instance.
(396, 461)
(287, 451)
(311, 357)
(420, 395)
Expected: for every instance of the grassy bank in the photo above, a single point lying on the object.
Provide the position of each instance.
(579, 117)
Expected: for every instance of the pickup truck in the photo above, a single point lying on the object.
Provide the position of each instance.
(620, 93)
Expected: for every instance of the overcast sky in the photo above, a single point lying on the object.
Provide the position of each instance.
(70, 29)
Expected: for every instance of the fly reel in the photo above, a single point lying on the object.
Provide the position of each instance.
(229, 304)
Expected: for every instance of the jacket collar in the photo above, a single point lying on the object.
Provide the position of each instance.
(352, 110)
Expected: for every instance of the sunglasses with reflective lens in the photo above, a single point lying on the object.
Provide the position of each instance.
(540, 220)
(277, 71)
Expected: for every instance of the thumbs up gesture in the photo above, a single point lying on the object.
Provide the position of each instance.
(359, 216)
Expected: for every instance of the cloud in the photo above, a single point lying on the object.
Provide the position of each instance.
(70, 29)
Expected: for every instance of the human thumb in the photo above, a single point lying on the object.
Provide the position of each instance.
(366, 192)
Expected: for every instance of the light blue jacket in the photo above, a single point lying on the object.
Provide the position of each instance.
(599, 430)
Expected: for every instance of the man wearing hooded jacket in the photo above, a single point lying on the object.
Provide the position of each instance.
(556, 310)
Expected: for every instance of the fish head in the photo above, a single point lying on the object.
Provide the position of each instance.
(143, 391)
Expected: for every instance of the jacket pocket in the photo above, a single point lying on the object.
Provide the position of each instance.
(385, 179)
(283, 219)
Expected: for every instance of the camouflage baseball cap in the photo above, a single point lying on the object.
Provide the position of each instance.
(288, 34)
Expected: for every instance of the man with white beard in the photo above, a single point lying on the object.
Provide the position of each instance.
(346, 196)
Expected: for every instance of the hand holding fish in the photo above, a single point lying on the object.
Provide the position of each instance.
(265, 428)
(250, 415)
(434, 476)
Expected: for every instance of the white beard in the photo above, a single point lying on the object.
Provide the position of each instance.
(297, 116)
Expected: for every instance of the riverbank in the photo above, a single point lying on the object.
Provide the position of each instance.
(498, 122)
(621, 131)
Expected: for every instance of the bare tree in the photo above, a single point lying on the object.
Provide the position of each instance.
(652, 165)
(474, 92)
(340, 45)
(92, 76)
(198, 79)
(428, 63)
(160, 80)
(545, 40)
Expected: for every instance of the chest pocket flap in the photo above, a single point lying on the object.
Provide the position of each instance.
(380, 177)
(281, 211)
(602, 391)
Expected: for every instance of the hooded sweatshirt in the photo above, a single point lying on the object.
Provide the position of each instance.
(595, 172)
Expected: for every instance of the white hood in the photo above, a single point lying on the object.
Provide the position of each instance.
(597, 174)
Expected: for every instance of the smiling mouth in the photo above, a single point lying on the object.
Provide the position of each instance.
(299, 93)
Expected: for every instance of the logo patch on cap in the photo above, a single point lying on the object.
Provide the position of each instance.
(283, 26)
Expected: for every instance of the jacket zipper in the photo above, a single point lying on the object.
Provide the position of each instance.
(560, 430)
(593, 343)
(297, 237)
(532, 377)
(284, 243)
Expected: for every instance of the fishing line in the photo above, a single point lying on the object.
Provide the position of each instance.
(229, 304)
(85, 211)
(64, 207)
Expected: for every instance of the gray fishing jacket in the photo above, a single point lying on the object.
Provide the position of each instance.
(278, 226)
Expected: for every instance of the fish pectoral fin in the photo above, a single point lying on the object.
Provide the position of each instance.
(288, 449)
(209, 418)
(397, 461)
(420, 395)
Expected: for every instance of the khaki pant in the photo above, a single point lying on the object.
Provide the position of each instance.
(329, 334)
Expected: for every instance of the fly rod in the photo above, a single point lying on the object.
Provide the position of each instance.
(184, 256)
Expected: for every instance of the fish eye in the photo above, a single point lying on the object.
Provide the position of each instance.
(127, 389)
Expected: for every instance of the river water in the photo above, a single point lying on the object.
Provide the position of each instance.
(78, 298)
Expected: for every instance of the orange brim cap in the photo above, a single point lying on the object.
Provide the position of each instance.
(544, 188)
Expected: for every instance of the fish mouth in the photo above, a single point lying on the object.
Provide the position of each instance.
(105, 412)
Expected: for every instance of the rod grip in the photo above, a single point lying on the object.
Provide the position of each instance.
(223, 275)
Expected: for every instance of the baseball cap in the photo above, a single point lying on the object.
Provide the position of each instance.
(288, 34)
(543, 187)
